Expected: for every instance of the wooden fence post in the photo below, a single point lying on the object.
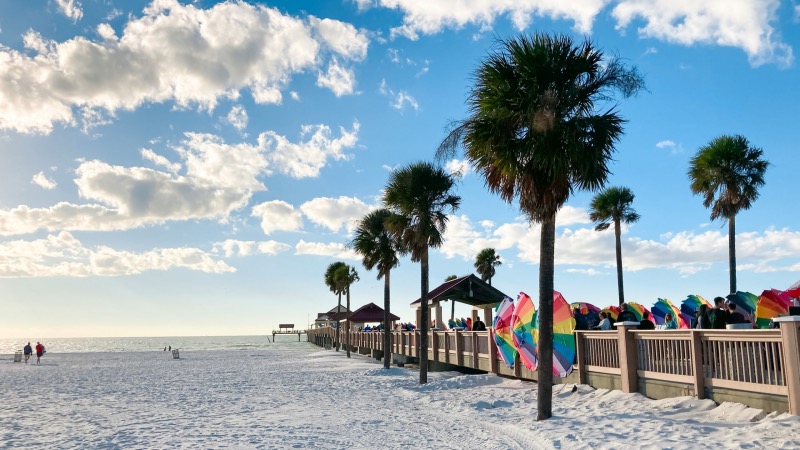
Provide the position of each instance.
(475, 363)
(434, 346)
(628, 356)
(492, 352)
(580, 353)
(791, 359)
(459, 348)
(697, 365)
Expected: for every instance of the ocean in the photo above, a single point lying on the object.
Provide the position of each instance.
(147, 344)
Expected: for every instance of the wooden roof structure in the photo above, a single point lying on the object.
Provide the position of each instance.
(468, 289)
(370, 313)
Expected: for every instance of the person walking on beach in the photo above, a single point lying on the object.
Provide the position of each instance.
(39, 351)
(28, 351)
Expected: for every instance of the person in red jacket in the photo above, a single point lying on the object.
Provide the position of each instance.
(39, 351)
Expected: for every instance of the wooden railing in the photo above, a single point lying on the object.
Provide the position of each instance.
(755, 361)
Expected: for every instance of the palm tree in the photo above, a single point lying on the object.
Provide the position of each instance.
(348, 275)
(535, 133)
(419, 197)
(727, 174)
(614, 205)
(485, 262)
(380, 249)
(335, 282)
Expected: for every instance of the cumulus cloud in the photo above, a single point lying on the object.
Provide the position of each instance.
(70, 8)
(431, 17)
(278, 215)
(673, 147)
(155, 158)
(237, 117)
(173, 52)
(41, 180)
(63, 255)
(232, 247)
(458, 167)
(744, 24)
(340, 80)
(333, 250)
(335, 213)
(685, 252)
(308, 157)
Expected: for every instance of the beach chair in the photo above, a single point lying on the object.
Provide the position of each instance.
(176, 354)
(18, 356)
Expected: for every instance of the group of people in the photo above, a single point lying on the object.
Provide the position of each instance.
(718, 317)
(28, 352)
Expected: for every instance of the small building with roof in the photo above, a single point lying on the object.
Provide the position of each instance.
(468, 289)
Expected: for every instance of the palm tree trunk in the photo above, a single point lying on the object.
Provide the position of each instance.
(423, 317)
(347, 323)
(732, 252)
(544, 401)
(617, 233)
(338, 323)
(387, 351)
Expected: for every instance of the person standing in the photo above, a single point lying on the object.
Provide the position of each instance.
(646, 323)
(39, 351)
(718, 316)
(479, 325)
(626, 315)
(703, 322)
(28, 351)
(669, 322)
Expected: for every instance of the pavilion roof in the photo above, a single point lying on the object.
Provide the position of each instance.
(370, 313)
(468, 289)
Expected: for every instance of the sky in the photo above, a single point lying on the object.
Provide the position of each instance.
(191, 168)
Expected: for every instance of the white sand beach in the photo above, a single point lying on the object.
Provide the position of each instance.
(297, 396)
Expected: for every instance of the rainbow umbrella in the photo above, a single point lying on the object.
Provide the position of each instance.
(590, 313)
(503, 336)
(690, 306)
(794, 290)
(638, 311)
(612, 311)
(745, 304)
(660, 310)
(563, 336)
(522, 326)
(771, 304)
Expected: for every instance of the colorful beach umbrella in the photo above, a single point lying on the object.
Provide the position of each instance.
(503, 336)
(662, 307)
(794, 290)
(612, 311)
(638, 310)
(690, 305)
(771, 303)
(522, 326)
(745, 304)
(563, 336)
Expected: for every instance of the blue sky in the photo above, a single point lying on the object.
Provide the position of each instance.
(191, 168)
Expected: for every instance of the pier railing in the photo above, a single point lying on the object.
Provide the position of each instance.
(719, 364)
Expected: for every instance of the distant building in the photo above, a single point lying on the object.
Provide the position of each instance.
(327, 318)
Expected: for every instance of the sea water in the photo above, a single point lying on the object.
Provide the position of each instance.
(145, 344)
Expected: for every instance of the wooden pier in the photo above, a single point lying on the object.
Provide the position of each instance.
(759, 368)
(287, 328)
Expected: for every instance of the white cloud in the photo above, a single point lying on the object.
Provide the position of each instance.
(341, 37)
(173, 52)
(295, 96)
(334, 213)
(570, 215)
(671, 146)
(458, 167)
(363, 5)
(237, 117)
(64, 255)
(431, 17)
(590, 272)
(41, 180)
(277, 215)
(232, 247)
(70, 8)
(155, 158)
(684, 252)
(340, 80)
(744, 24)
(398, 100)
(334, 250)
(308, 157)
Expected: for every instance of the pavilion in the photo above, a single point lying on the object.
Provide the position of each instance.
(468, 289)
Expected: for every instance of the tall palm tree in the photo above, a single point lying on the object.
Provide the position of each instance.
(614, 205)
(379, 248)
(419, 197)
(485, 262)
(335, 282)
(348, 275)
(727, 174)
(536, 133)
